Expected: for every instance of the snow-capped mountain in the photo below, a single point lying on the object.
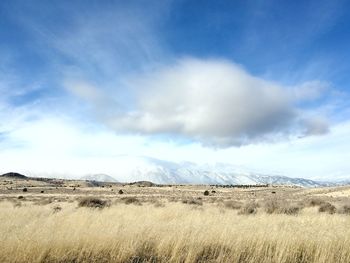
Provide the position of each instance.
(131, 169)
(99, 178)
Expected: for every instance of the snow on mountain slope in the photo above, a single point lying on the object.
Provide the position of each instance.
(131, 169)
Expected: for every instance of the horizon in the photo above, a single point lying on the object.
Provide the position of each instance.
(257, 86)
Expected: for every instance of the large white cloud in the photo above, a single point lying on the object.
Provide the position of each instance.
(215, 102)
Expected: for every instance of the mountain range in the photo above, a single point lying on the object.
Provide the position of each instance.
(127, 169)
(130, 169)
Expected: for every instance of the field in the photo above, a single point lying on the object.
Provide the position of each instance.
(77, 221)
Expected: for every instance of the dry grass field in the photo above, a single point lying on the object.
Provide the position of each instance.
(76, 221)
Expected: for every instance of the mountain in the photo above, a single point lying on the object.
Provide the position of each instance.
(99, 178)
(128, 169)
(131, 169)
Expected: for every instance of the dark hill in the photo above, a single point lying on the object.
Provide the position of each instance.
(14, 175)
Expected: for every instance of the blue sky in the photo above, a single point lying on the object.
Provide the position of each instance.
(260, 84)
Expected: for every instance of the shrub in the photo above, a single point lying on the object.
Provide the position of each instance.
(192, 202)
(345, 209)
(249, 209)
(20, 197)
(120, 192)
(131, 200)
(316, 202)
(42, 192)
(93, 203)
(25, 189)
(327, 208)
(206, 192)
(232, 204)
(273, 206)
(56, 209)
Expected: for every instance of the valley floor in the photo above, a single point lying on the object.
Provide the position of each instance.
(132, 223)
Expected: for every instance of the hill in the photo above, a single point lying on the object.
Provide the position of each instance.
(14, 175)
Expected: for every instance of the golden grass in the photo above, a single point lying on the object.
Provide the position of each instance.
(174, 233)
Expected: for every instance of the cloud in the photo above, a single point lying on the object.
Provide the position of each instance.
(214, 102)
(310, 90)
(316, 126)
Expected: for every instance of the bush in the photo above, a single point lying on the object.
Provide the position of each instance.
(131, 200)
(232, 204)
(249, 209)
(273, 206)
(192, 202)
(316, 202)
(345, 209)
(120, 192)
(93, 203)
(206, 192)
(327, 208)
(25, 189)
(20, 197)
(56, 209)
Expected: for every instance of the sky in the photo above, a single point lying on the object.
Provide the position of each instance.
(257, 84)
